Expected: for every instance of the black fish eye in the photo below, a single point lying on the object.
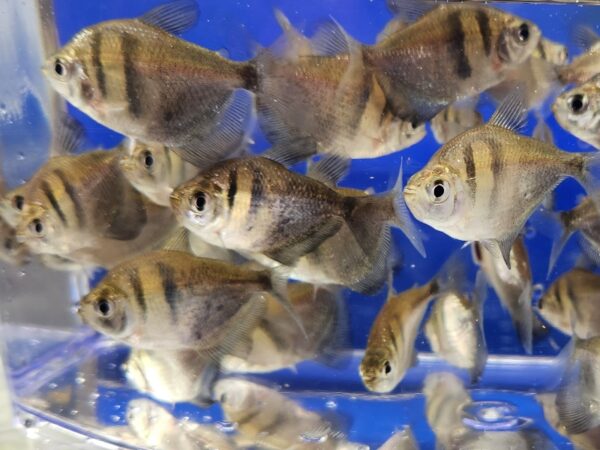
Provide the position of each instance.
(37, 226)
(576, 103)
(524, 32)
(18, 201)
(200, 201)
(59, 68)
(438, 189)
(8, 243)
(104, 307)
(148, 159)
(387, 367)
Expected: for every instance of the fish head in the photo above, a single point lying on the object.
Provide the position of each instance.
(107, 310)
(198, 204)
(379, 370)
(11, 205)
(517, 41)
(146, 166)
(553, 309)
(40, 229)
(435, 195)
(577, 109)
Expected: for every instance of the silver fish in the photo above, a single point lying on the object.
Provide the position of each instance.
(454, 120)
(586, 65)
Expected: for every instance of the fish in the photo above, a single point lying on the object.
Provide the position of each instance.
(155, 170)
(578, 111)
(401, 440)
(136, 77)
(317, 96)
(578, 396)
(536, 77)
(513, 287)
(157, 428)
(81, 208)
(172, 376)
(569, 304)
(390, 348)
(454, 120)
(168, 299)
(454, 330)
(276, 343)
(258, 206)
(268, 419)
(12, 251)
(586, 65)
(485, 183)
(450, 53)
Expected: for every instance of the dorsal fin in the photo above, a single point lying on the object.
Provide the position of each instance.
(512, 113)
(409, 10)
(68, 137)
(585, 37)
(292, 44)
(331, 39)
(329, 170)
(174, 17)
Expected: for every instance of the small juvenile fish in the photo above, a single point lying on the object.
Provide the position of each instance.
(268, 419)
(586, 65)
(570, 304)
(137, 78)
(390, 348)
(81, 207)
(578, 111)
(401, 440)
(455, 331)
(169, 299)
(578, 398)
(155, 170)
(485, 183)
(317, 96)
(256, 205)
(454, 120)
(172, 376)
(157, 428)
(452, 52)
(513, 287)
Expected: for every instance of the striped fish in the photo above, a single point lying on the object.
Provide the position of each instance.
(155, 170)
(173, 300)
(256, 205)
(137, 78)
(452, 52)
(454, 120)
(586, 65)
(485, 183)
(570, 304)
(578, 111)
(81, 207)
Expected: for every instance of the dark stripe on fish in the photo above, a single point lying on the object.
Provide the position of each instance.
(497, 167)
(232, 191)
(138, 290)
(484, 28)
(249, 76)
(167, 280)
(256, 196)
(457, 45)
(541, 50)
(50, 195)
(97, 62)
(248, 418)
(470, 167)
(70, 190)
(133, 87)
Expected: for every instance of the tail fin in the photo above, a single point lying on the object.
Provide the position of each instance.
(587, 172)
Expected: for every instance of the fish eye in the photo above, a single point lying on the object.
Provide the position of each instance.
(18, 201)
(440, 191)
(104, 307)
(199, 201)
(36, 226)
(8, 244)
(577, 103)
(148, 159)
(387, 367)
(60, 68)
(523, 32)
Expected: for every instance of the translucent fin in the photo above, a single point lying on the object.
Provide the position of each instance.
(395, 25)
(331, 39)
(403, 219)
(512, 112)
(478, 299)
(339, 335)
(524, 320)
(279, 283)
(500, 248)
(174, 17)
(542, 131)
(452, 277)
(292, 44)
(68, 137)
(409, 10)
(290, 153)
(231, 134)
(178, 240)
(329, 170)
(588, 173)
(380, 266)
(585, 37)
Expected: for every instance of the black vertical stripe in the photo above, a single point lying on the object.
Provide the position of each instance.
(497, 166)
(484, 29)
(256, 192)
(50, 195)
(167, 280)
(138, 291)
(457, 45)
(541, 50)
(70, 190)
(133, 87)
(470, 166)
(232, 191)
(97, 61)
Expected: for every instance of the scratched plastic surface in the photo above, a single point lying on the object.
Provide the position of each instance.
(64, 374)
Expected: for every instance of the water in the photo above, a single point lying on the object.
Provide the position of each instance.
(62, 374)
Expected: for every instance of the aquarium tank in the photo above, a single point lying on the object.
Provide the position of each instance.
(272, 224)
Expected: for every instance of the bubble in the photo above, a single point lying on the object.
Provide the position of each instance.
(115, 418)
(207, 419)
(226, 427)
(331, 404)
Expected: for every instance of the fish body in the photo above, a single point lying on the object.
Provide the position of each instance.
(173, 300)
(455, 332)
(452, 52)
(485, 183)
(570, 304)
(401, 440)
(157, 428)
(586, 65)
(578, 111)
(81, 207)
(454, 120)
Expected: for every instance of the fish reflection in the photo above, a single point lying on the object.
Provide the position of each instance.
(401, 440)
